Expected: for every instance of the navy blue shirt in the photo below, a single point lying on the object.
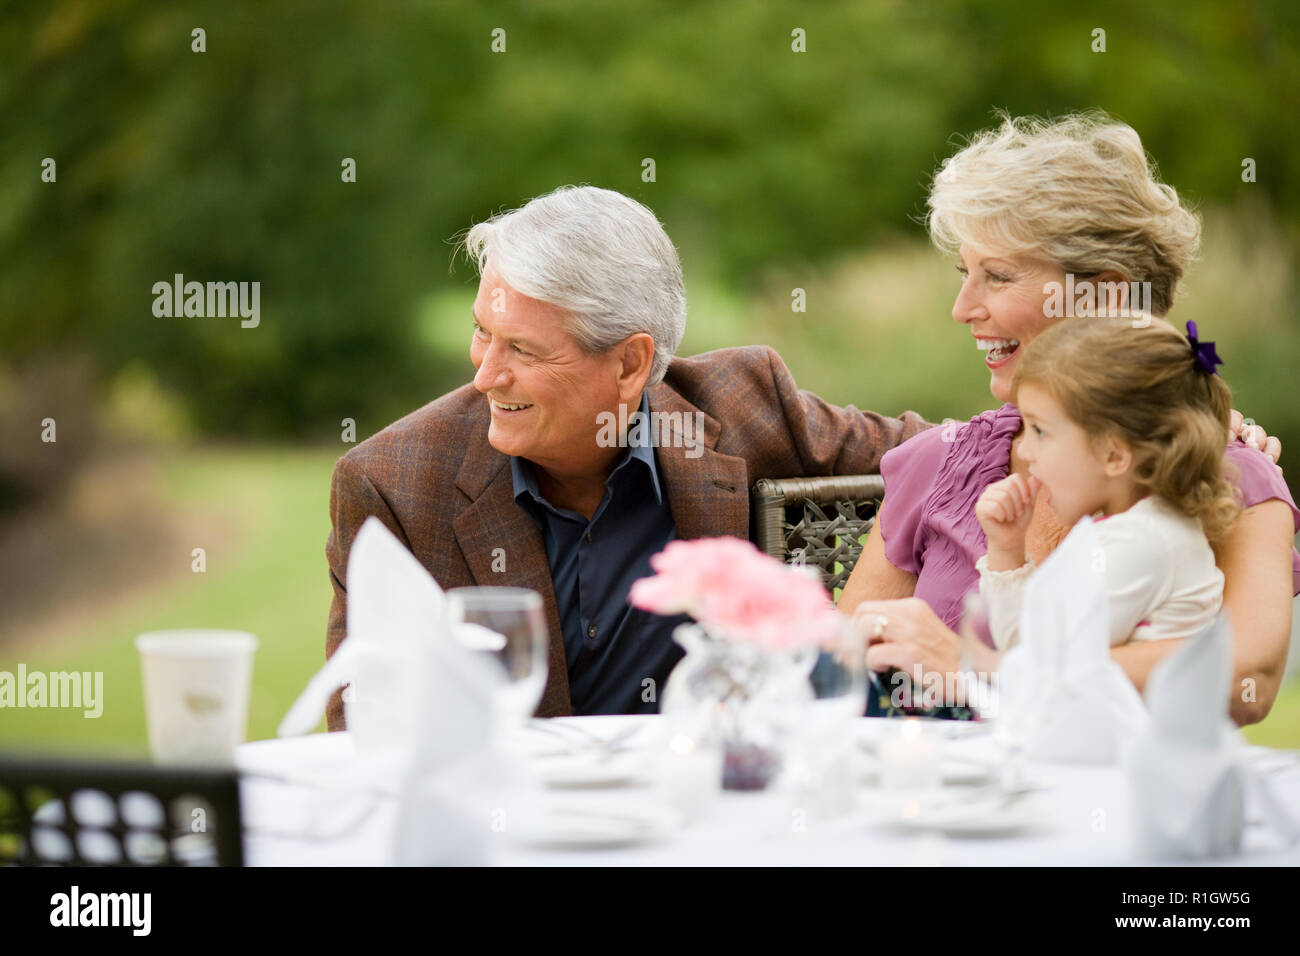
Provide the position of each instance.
(618, 656)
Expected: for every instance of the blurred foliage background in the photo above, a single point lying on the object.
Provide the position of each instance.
(774, 170)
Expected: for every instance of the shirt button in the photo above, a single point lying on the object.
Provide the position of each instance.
(588, 537)
(591, 631)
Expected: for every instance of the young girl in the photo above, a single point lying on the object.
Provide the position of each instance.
(1124, 420)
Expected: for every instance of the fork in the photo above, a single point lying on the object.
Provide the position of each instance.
(604, 746)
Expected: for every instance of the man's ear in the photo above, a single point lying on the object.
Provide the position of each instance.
(636, 357)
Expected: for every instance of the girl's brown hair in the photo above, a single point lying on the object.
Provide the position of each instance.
(1138, 380)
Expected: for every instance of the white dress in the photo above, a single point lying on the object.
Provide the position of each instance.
(1161, 579)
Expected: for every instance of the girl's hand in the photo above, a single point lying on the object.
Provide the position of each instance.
(1004, 510)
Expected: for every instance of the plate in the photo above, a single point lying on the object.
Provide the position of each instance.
(592, 752)
(577, 825)
(954, 769)
(591, 769)
(964, 729)
(628, 730)
(963, 814)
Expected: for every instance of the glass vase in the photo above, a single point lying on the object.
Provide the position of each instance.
(740, 697)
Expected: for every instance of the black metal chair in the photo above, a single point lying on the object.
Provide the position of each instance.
(92, 813)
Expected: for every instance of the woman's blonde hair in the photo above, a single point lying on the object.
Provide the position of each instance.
(1140, 382)
(1078, 191)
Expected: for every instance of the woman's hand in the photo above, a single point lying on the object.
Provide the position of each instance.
(1004, 510)
(1254, 435)
(905, 633)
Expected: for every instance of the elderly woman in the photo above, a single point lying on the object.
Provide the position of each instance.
(1033, 203)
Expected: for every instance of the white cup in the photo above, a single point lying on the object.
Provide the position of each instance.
(196, 688)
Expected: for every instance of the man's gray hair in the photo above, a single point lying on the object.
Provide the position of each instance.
(598, 255)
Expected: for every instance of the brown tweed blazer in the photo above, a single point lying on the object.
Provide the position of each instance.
(436, 483)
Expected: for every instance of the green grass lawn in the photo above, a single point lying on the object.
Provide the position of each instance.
(1282, 726)
(270, 578)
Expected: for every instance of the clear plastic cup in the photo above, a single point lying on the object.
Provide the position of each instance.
(196, 689)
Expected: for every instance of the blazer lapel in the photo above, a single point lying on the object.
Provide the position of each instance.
(708, 494)
(503, 548)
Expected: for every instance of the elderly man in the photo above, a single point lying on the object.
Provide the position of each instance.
(540, 473)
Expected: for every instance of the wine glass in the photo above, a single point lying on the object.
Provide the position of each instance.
(976, 691)
(821, 751)
(518, 616)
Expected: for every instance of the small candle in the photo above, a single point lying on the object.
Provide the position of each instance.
(689, 775)
(909, 758)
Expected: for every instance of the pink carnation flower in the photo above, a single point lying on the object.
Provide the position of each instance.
(738, 593)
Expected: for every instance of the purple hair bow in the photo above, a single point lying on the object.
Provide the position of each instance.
(1206, 357)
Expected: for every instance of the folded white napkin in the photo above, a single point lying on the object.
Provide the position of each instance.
(1190, 780)
(1061, 695)
(420, 704)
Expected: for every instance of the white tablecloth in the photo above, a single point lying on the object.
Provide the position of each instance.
(1088, 823)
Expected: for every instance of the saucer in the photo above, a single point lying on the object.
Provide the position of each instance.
(578, 825)
(579, 769)
(963, 813)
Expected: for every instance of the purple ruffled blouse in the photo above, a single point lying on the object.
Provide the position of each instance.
(933, 479)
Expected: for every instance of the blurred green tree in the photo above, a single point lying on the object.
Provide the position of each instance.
(225, 165)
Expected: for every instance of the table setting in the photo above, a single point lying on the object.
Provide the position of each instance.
(1064, 814)
(758, 755)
